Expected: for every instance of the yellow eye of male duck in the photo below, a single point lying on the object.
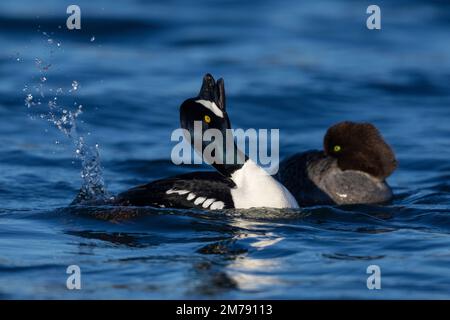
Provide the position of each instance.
(207, 119)
(337, 148)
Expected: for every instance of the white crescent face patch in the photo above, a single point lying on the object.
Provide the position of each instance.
(211, 106)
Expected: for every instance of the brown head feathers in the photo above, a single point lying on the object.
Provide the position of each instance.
(360, 146)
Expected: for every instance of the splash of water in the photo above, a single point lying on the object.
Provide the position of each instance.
(93, 187)
(42, 99)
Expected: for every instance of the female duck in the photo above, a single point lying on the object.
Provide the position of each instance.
(351, 169)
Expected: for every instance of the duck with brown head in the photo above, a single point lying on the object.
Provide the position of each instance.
(352, 168)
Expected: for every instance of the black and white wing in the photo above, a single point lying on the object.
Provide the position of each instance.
(202, 190)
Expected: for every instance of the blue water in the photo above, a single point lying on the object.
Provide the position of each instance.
(297, 66)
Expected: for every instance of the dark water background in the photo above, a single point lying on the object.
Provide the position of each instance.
(295, 65)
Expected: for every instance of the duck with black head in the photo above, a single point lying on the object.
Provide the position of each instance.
(238, 182)
(352, 168)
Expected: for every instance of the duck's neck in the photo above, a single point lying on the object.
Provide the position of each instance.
(218, 148)
(232, 159)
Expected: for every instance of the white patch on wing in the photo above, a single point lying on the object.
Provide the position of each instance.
(211, 106)
(217, 205)
(208, 202)
(190, 196)
(256, 188)
(199, 200)
(180, 192)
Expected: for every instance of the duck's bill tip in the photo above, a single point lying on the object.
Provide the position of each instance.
(208, 78)
(213, 91)
(208, 87)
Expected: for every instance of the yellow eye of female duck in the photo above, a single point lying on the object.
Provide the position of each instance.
(337, 148)
(207, 118)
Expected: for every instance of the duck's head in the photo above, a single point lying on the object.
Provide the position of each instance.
(207, 112)
(208, 108)
(360, 146)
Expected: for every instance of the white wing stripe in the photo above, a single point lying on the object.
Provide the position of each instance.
(180, 192)
(199, 200)
(208, 202)
(190, 196)
(217, 205)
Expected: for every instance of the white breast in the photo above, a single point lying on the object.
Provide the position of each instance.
(256, 188)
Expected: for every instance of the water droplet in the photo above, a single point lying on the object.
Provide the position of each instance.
(74, 85)
(43, 79)
(39, 64)
(92, 38)
(29, 100)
